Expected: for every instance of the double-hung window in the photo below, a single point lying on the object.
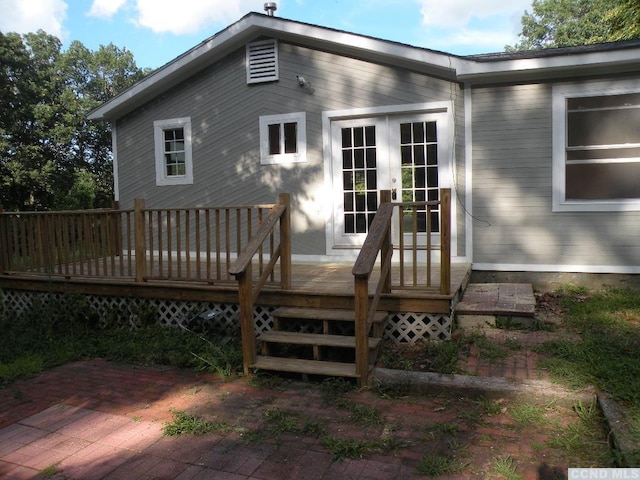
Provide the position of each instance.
(283, 138)
(174, 164)
(596, 147)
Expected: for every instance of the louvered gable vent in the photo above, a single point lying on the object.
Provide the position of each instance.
(262, 61)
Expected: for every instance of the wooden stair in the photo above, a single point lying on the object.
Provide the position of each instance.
(315, 341)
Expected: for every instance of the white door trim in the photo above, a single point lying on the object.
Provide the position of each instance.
(445, 107)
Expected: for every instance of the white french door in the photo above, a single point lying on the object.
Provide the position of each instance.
(407, 154)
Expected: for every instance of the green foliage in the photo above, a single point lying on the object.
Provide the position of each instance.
(186, 423)
(435, 465)
(564, 23)
(608, 356)
(505, 468)
(51, 157)
(527, 414)
(57, 329)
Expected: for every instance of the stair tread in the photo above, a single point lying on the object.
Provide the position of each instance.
(314, 367)
(314, 339)
(323, 314)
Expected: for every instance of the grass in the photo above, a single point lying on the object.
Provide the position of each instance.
(185, 423)
(505, 468)
(608, 354)
(527, 415)
(436, 465)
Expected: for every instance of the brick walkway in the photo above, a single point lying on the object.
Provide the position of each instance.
(98, 420)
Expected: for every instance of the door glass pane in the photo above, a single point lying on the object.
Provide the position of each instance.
(419, 173)
(360, 189)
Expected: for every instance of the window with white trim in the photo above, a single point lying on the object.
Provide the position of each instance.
(283, 138)
(596, 147)
(174, 165)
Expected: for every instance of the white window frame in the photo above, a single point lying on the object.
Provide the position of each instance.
(159, 126)
(559, 118)
(300, 118)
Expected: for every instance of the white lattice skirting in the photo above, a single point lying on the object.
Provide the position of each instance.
(402, 327)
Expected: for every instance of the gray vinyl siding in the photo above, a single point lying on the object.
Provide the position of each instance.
(224, 114)
(512, 198)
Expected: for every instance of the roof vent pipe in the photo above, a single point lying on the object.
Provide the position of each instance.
(270, 8)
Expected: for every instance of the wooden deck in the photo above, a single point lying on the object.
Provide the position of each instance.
(328, 285)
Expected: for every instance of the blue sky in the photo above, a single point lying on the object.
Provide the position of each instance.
(157, 31)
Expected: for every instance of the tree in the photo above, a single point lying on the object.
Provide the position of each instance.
(50, 155)
(624, 20)
(565, 23)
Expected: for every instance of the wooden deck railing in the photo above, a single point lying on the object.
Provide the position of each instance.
(378, 244)
(249, 287)
(139, 245)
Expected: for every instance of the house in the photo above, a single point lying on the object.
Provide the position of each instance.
(541, 149)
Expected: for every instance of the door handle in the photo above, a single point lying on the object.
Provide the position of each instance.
(394, 194)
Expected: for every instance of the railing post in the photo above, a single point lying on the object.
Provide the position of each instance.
(117, 228)
(361, 300)
(140, 239)
(285, 242)
(445, 241)
(385, 197)
(247, 329)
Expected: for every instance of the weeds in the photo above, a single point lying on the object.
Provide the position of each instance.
(280, 421)
(186, 423)
(435, 465)
(57, 329)
(527, 414)
(608, 356)
(505, 468)
(49, 472)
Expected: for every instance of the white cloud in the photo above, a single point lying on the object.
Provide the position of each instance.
(24, 16)
(458, 13)
(105, 8)
(190, 17)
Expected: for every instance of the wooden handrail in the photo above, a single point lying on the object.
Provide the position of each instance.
(265, 229)
(242, 271)
(378, 242)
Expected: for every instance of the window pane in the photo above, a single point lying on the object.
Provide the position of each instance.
(405, 154)
(348, 202)
(603, 181)
(418, 132)
(405, 133)
(346, 137)
(347, 182)
(603, 127)
(291, 137)
(358, 137)
(432, 154)
(371, 158)
(347, 160)
(274, 139)
(372, 201)
(418, 154)
(372, 177)
(349, 223)
(370, 135)
(359, 157)
(608, 101)
(432, 134)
